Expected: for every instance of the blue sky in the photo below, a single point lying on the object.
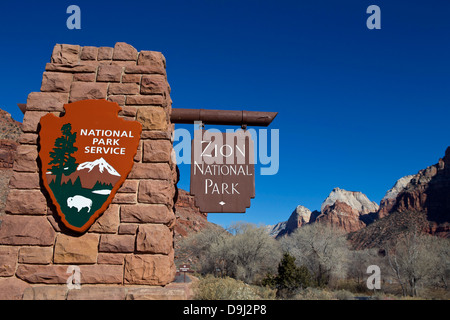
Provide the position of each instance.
(358, 108)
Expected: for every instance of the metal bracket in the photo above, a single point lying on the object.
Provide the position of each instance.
(201, 125)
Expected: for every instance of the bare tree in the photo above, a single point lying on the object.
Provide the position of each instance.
(442, 268)
(360, 260)
(415, 260)
(244, 252)
(200, 247)
(252, 251)
(322, 249)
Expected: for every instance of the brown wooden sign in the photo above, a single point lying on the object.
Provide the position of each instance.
(85, 156)
(222, 171)
(185, 268)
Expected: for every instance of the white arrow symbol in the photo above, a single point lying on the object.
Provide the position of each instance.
(222, 203)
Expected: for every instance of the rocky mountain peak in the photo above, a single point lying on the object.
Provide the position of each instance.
(302, 214)
(356, 200)
(398, 187)
(348, 210)
(428, 192)
(389, 199)
(299, 217)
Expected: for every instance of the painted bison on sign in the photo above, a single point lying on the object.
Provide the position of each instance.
(79, 202)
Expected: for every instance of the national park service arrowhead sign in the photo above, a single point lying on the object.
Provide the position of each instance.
(86, 155)
(222, 171)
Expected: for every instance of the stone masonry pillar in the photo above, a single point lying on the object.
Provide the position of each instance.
(132, 242)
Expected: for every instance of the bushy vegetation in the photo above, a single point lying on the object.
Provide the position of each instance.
(212, 288)
(290, 278)
(315, 262)
(244, 252)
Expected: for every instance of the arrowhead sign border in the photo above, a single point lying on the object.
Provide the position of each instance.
(81, 167)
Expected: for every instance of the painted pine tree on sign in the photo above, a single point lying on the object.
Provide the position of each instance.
(62, 160)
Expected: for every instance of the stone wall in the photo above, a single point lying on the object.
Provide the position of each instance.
(132, 242)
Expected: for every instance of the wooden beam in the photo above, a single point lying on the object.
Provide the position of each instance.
(223, 117)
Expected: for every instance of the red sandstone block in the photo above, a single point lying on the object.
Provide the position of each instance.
(47, 101)
(145, 70)
(89, 53)
(119, 99)
(110, 258)
(101, 274)
(147, 213)
(109, 73)
(36, 255)
(26, 230)
(131, 78)
(138, 156)
(152, 58)
(123, 88)
(8, 261)
(12, 288)
(31, 120)
(152, 118)
(56, 82)
(154, 100)
(28, 138)
(129, 186)
(73, 68)
(65, 54)
(154, 238)
(124, 198)
(24, 180)
(157, 171)
(157, 151)
(26, 158)
(128, 111)
(124, 51)
(114, 243)
(97, 293)
(57, 274)
(128, 229)
(123, 63)
(87, 90)
(156, 192)
(76, 250)
(156, 135)
(108, 222)
(105, 53)
(26, 202)
(149, 270)
(154, 84)
(84, 77)
(48, 274)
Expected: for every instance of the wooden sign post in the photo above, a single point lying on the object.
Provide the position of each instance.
(185, 268)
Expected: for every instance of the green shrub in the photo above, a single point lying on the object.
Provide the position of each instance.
(290, 278)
